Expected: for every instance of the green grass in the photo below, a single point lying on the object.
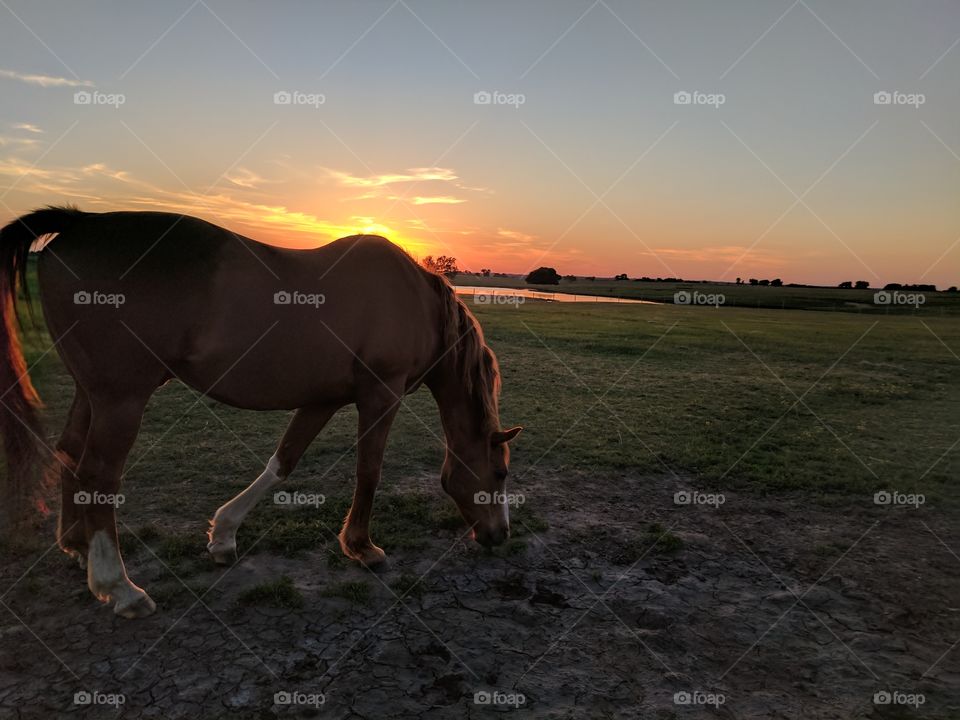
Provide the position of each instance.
(602, 390)
(280, 593)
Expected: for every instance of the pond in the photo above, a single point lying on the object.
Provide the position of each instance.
(509, 296)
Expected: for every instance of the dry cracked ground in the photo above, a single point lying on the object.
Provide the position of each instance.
(614, 603)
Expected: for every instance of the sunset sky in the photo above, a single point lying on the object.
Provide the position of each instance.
(798, 174)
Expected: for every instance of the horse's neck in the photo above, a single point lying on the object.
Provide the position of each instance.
(462, 420)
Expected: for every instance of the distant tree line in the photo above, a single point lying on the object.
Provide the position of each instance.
(446, 265)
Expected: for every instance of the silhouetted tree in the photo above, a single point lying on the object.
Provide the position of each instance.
(485, 272)
(776, 282)
(543, 276)
(621, 276)
(846, 284)
(442, 264)
(754, 281)
(765, 283)
(862, 285)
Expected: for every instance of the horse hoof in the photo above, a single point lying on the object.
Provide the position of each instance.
(223, 555)
(139, 608)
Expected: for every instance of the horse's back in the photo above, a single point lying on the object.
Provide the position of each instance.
(251, 324)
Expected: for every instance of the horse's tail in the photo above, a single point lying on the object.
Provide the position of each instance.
(19, 405)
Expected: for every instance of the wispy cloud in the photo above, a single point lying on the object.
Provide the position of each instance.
(411, 175)
(438, 200)
(245, 178)
(515, 235)
(12, 142)
(28, 127)
(44, 80)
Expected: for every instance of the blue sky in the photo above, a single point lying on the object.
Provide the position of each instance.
(797, 173)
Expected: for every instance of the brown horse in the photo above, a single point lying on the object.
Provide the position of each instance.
(135, 299)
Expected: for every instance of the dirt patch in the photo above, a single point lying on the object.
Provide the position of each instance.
(779, 607)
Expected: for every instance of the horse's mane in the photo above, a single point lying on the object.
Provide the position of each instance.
(476, 365)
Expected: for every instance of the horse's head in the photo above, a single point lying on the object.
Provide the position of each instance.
(476, 477)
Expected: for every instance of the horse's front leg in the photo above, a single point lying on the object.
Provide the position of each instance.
(306, 423)
(377, 406)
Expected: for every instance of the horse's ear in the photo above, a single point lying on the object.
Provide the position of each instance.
(502, 436)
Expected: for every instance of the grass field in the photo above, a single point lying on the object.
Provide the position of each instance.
(797, 417)
(762, 400)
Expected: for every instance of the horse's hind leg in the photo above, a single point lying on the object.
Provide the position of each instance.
(113, 429)
(377, 407)
(70, 527)
(304, 426)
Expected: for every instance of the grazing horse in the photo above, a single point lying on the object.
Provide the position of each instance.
(135, 299)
